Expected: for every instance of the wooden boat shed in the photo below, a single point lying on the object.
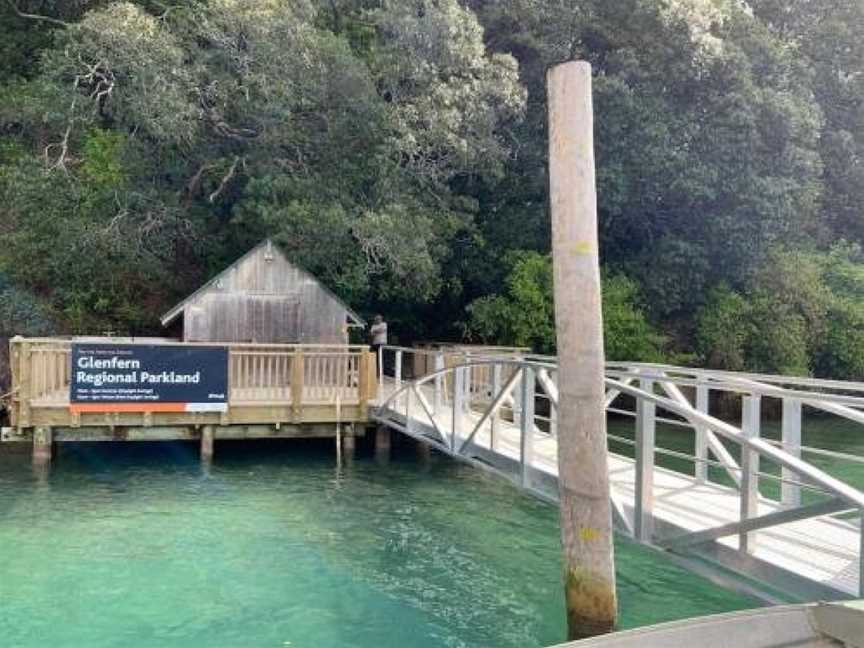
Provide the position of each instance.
(289, 370)
(264, 298)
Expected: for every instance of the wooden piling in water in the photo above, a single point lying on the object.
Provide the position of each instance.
(208, 442)
(43, 445)
(424, 451)
(586, 523)
(349, 442)
(382, 442)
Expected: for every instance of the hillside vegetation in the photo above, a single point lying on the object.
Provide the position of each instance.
(397, 150)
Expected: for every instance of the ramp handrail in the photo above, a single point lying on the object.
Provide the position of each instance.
(480, 390)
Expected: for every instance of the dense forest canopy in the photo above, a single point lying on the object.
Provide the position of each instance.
(397, 149)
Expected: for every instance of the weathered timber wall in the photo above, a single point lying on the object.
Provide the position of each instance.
(264, 298)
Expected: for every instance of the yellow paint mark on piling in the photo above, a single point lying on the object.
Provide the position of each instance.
(581, 248)
(588, 534)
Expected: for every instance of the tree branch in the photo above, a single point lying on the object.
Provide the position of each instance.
(225, 179)
(195, 180)
(29, 16)
(63, 145)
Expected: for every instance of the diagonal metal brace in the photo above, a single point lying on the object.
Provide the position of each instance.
(714, 443)
(426, 408)
(493, 408)
(754, 524)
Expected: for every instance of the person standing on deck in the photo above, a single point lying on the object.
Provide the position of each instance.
(378, 331)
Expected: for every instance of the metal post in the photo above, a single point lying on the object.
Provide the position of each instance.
(791, 493)
(861, 554)
(553, 408)
(750, 417)
(645, 441)
(466, 403)
(517, 404)
(439, 380)
(409, 420)
(702, 405)
(493, 422)
(380, 369)
(458, 403)
(397, 372)
(526, 424)
(397, 369)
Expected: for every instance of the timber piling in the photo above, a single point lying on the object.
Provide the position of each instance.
(208, 442)
(43, 445)
(383, 442)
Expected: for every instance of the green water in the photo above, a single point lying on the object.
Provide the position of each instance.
(137, 545)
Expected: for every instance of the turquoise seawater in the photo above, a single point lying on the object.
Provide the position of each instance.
(139, 545)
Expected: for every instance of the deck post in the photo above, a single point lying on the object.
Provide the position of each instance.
(363, 383)
(750, 417)
(208, 440)
(24, 386)
(790, 494)
(701, 450)
(526, 426)
(645, 444)
(583, 472)
(43, 445)
(373, 391)
(15, 373)
(297, 376)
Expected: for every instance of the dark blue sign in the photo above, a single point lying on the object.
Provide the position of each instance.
(170, 377)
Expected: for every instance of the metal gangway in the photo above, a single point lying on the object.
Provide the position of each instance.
(749, 512)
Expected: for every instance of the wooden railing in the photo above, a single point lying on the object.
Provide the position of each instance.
(258, 374)
(304, 373)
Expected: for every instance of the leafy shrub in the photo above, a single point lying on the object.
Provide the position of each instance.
(525, 314)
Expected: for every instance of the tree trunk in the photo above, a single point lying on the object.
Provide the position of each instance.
(586, 524)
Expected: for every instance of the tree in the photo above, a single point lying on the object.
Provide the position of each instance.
(524, 315)
(181, 136)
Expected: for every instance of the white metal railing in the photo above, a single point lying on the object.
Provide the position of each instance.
(467, 399)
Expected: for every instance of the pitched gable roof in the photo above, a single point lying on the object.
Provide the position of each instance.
(178, 309)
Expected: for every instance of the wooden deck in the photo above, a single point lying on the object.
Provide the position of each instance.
(268, 385)
(817, 556)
